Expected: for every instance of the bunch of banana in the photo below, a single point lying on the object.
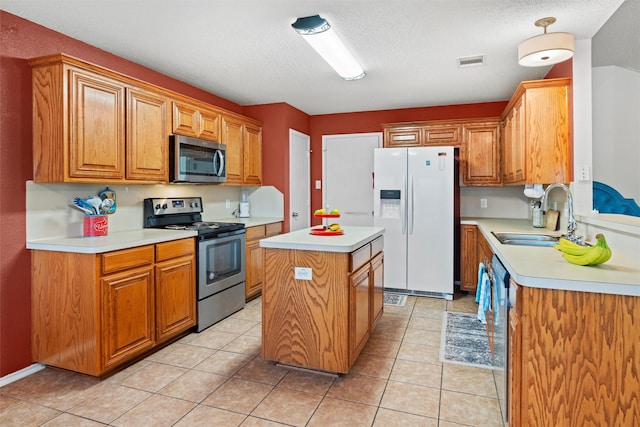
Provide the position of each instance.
(585, 255)
(333, 227)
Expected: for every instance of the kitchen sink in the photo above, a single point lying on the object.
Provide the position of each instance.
(526, 239)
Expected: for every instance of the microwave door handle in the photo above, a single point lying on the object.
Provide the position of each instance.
(220, 156)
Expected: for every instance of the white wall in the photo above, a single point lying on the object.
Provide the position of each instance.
(616, 129)
(49, 213)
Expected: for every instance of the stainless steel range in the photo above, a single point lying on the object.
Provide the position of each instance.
(220, 257)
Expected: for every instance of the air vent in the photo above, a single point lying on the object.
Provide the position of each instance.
(471, 61)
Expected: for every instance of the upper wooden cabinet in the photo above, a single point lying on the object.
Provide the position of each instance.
(536, 138)
(480, 154)
(195, 121)
(243, 138)
(91, 124)
(422, 133)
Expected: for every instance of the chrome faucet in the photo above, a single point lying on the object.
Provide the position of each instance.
(572, 226)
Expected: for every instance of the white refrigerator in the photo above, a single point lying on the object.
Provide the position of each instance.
(414, 202)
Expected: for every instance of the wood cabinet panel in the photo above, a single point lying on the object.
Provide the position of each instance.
(444, 134)
(403, 137)
(377, 279)
(252, 152)
(175, 296)
(232, 135)
(186, 119)
(174, 249)
(126, 259)
(127, 315)
(469, 255)
(254, 257)
(481, 154)
(578, 358)
(360, 307)
(209, 125)
(147, 136)
(305, 323)
(96, 126)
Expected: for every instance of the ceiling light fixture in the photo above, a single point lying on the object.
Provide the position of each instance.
(319, 34)
(547, 48)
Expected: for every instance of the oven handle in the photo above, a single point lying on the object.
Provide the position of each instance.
(218, 155)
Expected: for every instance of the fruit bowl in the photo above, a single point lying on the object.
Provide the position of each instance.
(327, 215)
(321, 231)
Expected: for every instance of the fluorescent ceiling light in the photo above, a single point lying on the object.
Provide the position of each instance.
(547, 48)
(319, 34)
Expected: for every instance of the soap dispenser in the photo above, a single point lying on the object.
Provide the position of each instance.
(244, 206)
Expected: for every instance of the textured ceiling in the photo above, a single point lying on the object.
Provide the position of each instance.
(247, 52)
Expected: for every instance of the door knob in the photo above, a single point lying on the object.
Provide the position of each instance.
(294, 214)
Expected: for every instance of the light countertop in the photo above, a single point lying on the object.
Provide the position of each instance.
(112, 242)
(544, 267)
(251, 221)
(303, 240)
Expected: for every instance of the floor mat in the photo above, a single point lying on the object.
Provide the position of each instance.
(464, 341)
(398, 300)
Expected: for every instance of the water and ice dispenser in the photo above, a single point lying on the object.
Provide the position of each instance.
(390, 204)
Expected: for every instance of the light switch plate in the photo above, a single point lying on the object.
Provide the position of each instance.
(318, 184)
(302, 273)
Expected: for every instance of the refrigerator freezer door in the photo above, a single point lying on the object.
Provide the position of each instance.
(389, 211)
(430, 220)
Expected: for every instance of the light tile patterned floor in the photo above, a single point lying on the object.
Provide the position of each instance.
(217, 378)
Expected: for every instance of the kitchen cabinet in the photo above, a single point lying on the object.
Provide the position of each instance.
(92, 126)
(195, 121)
(537, 141)
(443, 132)
(323, 322)
(574, 358)
(93, 313)
(243, 139)
(254, 254)
(480, 154)
(469, 255)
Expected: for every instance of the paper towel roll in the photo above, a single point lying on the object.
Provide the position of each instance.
(533, 191)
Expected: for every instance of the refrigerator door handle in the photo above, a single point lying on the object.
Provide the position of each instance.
(404, 214)
(410, 200)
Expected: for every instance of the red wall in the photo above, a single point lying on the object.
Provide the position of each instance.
(20, 40)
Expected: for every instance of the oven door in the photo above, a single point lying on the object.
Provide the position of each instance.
(221, 264)
(196, 160)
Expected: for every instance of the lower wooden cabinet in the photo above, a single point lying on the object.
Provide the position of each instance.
(91, 313)
(322, 323)
(254, 261)
(474, 249)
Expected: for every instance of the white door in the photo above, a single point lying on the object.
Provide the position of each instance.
(347, 176)
(299, 181)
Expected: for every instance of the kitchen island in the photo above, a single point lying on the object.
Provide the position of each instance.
(322, 296)
(574, 346)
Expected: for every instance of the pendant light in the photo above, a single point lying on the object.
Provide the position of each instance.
(319, 34)
(547, 48)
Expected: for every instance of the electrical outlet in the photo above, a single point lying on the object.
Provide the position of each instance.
(302, 273)
(582, 173)
(483, 203)
(227, 203)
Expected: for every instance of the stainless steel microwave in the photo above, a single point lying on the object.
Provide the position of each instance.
(196, 160)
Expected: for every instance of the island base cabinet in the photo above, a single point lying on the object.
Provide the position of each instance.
(579, 359)
(321, 322)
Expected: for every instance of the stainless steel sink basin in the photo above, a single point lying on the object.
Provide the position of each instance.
(526, 239)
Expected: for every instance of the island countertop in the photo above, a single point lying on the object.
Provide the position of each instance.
(544, 267)
(352, 239)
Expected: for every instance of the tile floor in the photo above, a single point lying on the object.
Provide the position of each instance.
(217, 378)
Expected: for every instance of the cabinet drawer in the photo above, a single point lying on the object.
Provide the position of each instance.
(377, 245)
(273, 229)
(359, 257)
(127, 258)
(257, 232)
(174, 249)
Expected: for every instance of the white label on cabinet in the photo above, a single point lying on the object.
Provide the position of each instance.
(302, 273)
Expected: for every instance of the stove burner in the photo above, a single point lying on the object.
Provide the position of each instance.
(177, 227)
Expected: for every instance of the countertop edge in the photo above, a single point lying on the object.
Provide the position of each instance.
(302, 240)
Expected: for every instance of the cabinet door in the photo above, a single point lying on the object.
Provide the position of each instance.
(514, 366)
(518, 145)
(97, 133)
(175, 297)
(360, 311)
(469, 261)
(254, 268)
(377, 279)
(403, 137)
(127, 315)
(232, 135)
(506, 141)
(209, 125)
(147, 136)
(481, 157)
(443, 134)
(252, 164)
(185, 119)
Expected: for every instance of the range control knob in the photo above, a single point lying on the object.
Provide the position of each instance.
(194, 204)
(164, 206)
(158, 207)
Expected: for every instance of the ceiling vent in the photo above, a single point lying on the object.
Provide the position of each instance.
(471, 61)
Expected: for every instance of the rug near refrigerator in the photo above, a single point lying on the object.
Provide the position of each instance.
(397, 300)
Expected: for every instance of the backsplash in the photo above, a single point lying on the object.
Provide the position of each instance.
(49, 211)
